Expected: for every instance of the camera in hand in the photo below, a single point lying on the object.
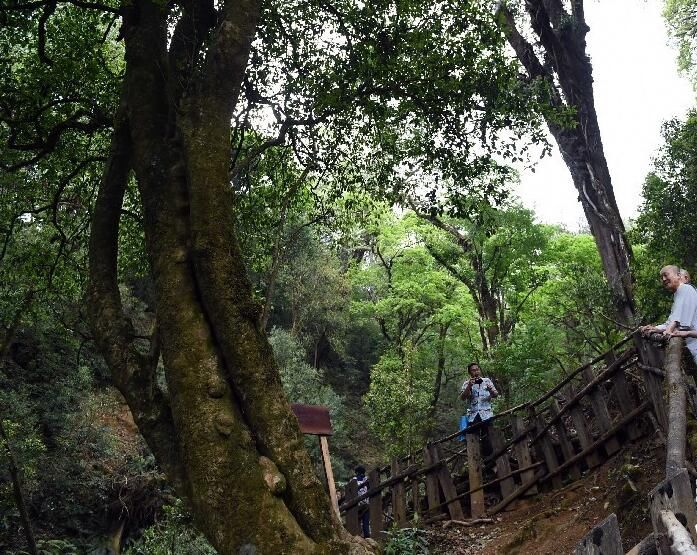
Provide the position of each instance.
(478, 381)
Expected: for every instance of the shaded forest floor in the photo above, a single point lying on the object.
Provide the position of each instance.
(553, 523)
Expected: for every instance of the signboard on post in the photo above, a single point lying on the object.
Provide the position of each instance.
(314, 420)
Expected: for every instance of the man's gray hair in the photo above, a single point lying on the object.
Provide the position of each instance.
(672, 267)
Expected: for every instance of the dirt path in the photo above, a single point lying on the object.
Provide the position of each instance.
(553, 523)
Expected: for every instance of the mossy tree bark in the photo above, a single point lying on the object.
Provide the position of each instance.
(224, 432)
(568, 74)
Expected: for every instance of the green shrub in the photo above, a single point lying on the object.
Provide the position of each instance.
(173, 535)
(407, 541)
(54, 547)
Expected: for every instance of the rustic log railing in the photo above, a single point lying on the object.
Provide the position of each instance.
(671, 502)
(536, 446)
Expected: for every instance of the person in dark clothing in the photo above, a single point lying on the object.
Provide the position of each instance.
(362, 488)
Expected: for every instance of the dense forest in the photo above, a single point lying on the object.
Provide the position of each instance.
(211, 209)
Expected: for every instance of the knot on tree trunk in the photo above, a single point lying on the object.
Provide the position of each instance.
(224, 423)
(216, 387)
(275, 481)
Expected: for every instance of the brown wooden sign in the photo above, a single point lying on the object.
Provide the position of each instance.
(313, 419)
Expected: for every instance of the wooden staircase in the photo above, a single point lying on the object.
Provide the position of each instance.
(616, 398)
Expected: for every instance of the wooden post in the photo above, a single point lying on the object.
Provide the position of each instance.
(353, 525)
(677, 408)
(602, 415)
(564, 442)
(399, 497)
(328, 473)
(415, 498)
(447, 486)
(620, 389)
(674, 494)
(522, 453)
(646, 546)
(625, 402)
(603, 539)
(649, 352)
(650, 355)
(582, 431)
(432, 491)
(503, 465)
(375, 506)
(546, 449)
(474, 467)
(679, 539)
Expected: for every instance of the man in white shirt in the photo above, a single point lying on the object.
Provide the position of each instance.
(683, 313)
(479, 391)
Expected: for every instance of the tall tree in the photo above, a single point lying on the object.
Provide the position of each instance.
(666, 222)
(496, 254)
(681, 17)
(225, 434)
(559, 61)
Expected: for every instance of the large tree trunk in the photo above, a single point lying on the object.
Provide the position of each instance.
(224, 432)
(562, 37)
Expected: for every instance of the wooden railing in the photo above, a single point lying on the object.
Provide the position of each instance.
(574, 427)
(671, 502)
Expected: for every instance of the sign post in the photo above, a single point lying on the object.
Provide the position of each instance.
(314, 420)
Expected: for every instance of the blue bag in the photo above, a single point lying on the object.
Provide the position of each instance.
(463, 427)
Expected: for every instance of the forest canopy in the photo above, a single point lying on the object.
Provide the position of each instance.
(209, 210)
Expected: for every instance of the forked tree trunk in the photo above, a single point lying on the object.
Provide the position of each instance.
(568, 75)
(224, 432)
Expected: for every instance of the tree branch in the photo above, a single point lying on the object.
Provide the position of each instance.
(523, 49)
(49, 8)
(133, 372)
(30, 6)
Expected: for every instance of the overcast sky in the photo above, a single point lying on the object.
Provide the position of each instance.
(637, 88)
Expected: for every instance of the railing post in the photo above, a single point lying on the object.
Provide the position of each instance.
(503, 465)
(352, 522)
(677, 407)
(623, 396)
(545, 447)
(375, 506)
(675, 495)
(399, 498)
(603, 539)
(474, 467)
(651, 356)
(602, 415)
(432, 491)
(522, 452)
(447, 485)
(582, 431)
(564, 442)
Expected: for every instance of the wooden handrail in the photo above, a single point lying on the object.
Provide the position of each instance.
(604, 375)
(614, 367)
(493, 482)
(579, 370)
(677, 407)
(411, 472)
(602, 439)
(480, 424)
